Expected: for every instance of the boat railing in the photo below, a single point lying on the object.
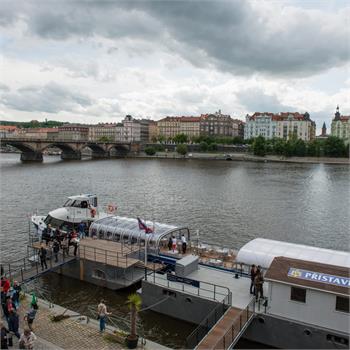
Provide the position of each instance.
(205, 325)
(119, 259)
(195, 287)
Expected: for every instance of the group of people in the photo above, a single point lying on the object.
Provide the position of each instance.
(257, 281)
(59, 240)
(10, 303)
(172, 244)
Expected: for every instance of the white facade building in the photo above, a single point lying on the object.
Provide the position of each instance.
(102, 132)
(282, 125)
(129, 130)
(341, 126)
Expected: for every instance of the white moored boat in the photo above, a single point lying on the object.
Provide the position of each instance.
(77, 209)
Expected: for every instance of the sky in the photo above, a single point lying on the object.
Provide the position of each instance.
(92, 61)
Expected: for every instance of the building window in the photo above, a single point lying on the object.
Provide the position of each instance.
(298, 294)
(342, 304)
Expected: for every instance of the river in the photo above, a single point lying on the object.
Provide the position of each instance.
(230, 203)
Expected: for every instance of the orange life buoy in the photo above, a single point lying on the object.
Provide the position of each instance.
(93, 212)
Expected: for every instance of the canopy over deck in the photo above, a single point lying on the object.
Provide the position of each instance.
(262, 251)
(123, 228)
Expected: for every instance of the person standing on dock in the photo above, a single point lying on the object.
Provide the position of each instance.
(55, 249)
(4, 331)
(259, 280)
(16, 292)
(253, 272)
(170, 243)
(42, 256)
(13, 323)
(174, 243)
(102, 315)
(81, 229)
(184, 244)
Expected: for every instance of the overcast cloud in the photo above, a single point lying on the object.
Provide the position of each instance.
(96, 59)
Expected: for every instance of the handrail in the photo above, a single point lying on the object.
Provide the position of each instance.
(238, 324)
(205, 325)
(223, 291)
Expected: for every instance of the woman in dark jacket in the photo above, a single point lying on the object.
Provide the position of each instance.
(14, 323)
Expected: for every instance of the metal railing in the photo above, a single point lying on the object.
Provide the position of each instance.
(205, 325)
(237, 327)
(104, 256)
(205, 289)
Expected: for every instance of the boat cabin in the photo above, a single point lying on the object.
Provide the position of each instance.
(82, 201)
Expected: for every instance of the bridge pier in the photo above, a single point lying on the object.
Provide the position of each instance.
(69, 155)
(31, 157)
(99, 155)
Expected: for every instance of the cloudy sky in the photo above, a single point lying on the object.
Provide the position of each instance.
(95, 61)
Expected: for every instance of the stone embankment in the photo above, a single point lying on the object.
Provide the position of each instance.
(244, 157)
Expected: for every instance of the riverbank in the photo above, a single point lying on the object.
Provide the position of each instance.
(73, 332)
(244, 157)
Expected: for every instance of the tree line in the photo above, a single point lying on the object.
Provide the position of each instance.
(330, 147)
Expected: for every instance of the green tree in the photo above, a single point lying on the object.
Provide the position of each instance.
(134, 302)
(278, 146)
(150, 151)
(181, 149)
(334, 147)
(203, 146)
(161, 138)
(259, 146)
(314, 148)
(299, 148)
(104, 139)
(180, 138)
(213, 147)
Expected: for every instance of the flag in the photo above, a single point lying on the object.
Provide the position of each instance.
(143, 226)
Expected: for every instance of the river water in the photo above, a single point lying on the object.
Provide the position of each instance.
(230, 203)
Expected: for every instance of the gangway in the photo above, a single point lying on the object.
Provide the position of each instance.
(28, 268)
(227, 331)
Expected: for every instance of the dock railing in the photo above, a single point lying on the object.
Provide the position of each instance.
(237, 327)
(195, 287)
(206, 325)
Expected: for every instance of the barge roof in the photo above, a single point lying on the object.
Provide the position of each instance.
(261, 251)
(309, 274)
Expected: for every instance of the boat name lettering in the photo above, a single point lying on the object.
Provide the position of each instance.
(319, 277)
(185, 280)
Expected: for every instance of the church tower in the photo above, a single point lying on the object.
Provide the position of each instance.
(324, 130)
(337, 114)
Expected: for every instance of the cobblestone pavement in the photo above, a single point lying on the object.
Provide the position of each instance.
(65, 334)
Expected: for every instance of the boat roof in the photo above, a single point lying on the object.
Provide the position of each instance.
(129, 227)
(261, 251)
(312, 275)
(82, 197)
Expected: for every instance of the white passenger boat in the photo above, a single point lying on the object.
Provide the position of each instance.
(77, 209)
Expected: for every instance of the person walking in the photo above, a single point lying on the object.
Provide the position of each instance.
(253, 272)
(102, 315)
(65, 245)
(13, 323)
(184, 244)
(259, 280)
(16, 293)
(30, 316)
(42, 256)
(55, 249)
(27, 340)
(4, 339)
(81, 229)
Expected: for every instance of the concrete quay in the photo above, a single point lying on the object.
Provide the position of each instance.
(77, 332)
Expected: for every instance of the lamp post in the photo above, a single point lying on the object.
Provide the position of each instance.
(146, 258)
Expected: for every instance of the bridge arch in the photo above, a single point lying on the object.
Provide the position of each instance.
(22, 146)
(118, 150)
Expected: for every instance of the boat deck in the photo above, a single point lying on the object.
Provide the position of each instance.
(106, 252)
(239, 287)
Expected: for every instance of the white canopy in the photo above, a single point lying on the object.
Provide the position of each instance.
(261, 251)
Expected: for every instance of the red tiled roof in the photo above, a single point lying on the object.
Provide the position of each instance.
(278, 116)
(8, 127)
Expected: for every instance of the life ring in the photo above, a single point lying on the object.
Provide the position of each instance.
(111, 208)
(93, 212)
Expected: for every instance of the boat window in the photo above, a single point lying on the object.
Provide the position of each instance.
(109, 235)
(342, 304)
(98, 274)
(53, 221)
(68, 203)
(101, 234)
(298, 294)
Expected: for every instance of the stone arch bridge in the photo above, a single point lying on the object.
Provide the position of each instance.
(32, 149)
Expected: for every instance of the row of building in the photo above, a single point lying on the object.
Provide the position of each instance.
(284, 125)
